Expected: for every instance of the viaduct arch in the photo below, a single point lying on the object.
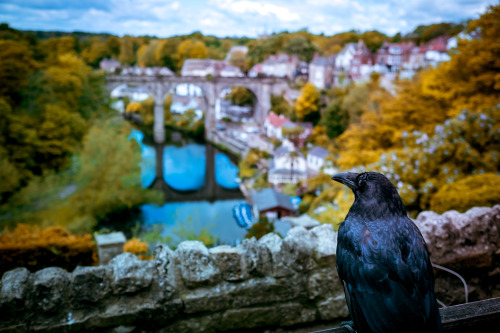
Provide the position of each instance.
(160, 86)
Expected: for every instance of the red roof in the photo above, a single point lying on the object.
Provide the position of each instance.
(277, 121)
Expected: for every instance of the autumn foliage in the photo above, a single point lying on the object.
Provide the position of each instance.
(36, 248)
(137, 247)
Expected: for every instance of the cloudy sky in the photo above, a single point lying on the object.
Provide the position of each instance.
(164, 18)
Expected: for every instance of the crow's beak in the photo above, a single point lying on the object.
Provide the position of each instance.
(346, 178)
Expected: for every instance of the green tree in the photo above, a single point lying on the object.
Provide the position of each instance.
(300, 46)
(16, 64)
(59, 134)
(335, 119)
(280, 105)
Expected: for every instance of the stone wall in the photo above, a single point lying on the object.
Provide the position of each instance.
(265, 283)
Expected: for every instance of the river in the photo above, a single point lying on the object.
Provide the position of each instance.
(184, 170)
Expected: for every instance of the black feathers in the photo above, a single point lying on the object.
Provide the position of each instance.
(383, 261)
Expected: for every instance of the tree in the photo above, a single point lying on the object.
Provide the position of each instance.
(373, 39)
(470, 80)
(127, 55)
(59, 134)
(238, 59)
(146, 55)
(113, 45)
(165, 54)
(16, 64)
(280, 105)
(302, 47)
(335, 119)
(308, 103)
(190, 49)
(108, 179)
(240, 96)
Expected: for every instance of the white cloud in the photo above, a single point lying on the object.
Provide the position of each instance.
(245, 7)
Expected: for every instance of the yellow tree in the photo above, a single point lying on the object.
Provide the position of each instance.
(127, 50)
(308, 102)
(471, 79)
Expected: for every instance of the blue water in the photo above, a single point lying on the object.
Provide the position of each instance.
(148, 159)
(184, 169)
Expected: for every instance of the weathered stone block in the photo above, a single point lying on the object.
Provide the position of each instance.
(268, 290)
(109, 246)
(280, 258)
(250, 318)
(257, 257)
(230, 261)
(205, 324)
(164, 263)
(50, 286)
(299, 243)
(14, 287)
(90, 284)
(129, 274)
(462, 241)
(196, 265)
(294, 313)
(325, 248)
(324, 283)
(333, 307)
(210, 299)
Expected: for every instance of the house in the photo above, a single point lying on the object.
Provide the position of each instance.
(362, 63)
(273, 125)
(321, 71)
(236, 51)
(231, 71)
(280, 65)
(202, 67)
(344, 57)
(290, 129)
(109, 65)
(316, 159)
(393, 55)
(343, 61)
(272, 204)
(287, 166)
(255, 71)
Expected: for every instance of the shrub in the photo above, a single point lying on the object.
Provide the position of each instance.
(137, 247)
(468, 192)
(35, 248)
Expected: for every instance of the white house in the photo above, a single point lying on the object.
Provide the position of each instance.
(202, 67)
(109, 65)
(287, 166)
(316, 159)
(344, 57)
(280, 65)
(273, 125)
(321, 71)
(231, 71)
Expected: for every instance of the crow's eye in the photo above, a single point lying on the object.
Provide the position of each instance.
(361, 180)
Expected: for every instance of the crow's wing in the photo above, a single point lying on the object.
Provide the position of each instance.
(388, 278)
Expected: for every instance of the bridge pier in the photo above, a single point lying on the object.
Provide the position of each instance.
(159, 122)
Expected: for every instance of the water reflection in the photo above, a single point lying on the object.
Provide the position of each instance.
(184, 167)
(184, 170)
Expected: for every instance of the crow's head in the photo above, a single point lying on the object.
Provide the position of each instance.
(372, 189)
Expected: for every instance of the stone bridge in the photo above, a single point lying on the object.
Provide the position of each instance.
(160, 86)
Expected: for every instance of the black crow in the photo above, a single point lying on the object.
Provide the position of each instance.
(383, 262)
